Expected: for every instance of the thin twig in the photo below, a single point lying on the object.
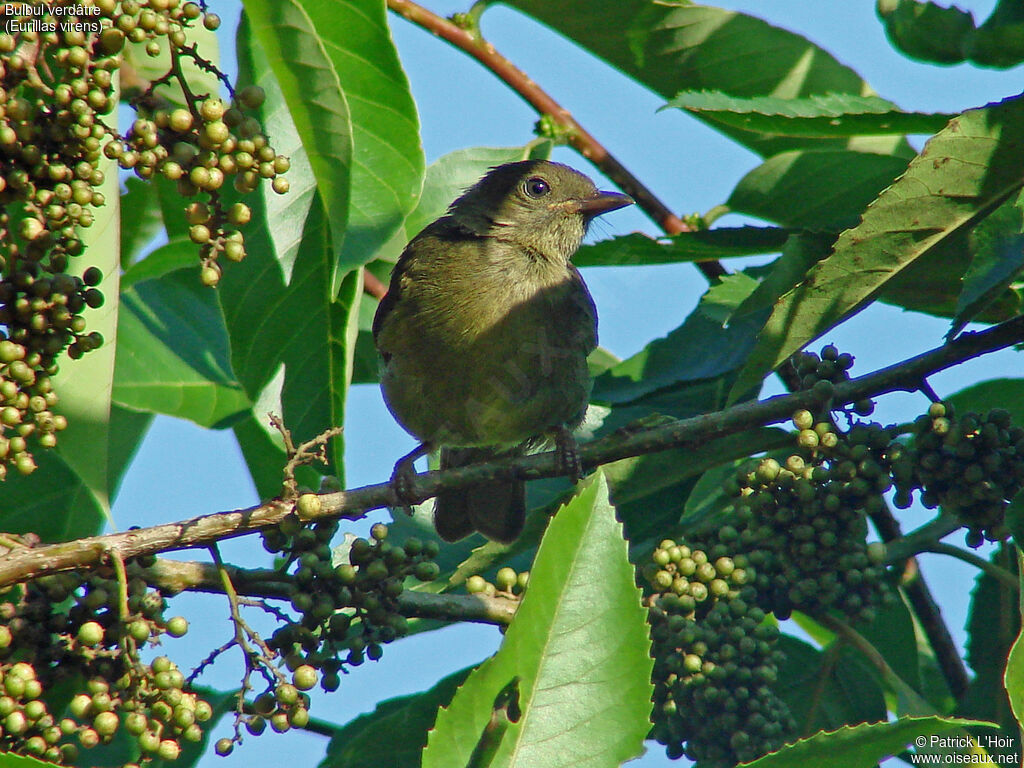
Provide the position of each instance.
(1002, 575)
(578, 137)
(923, 603)
(699, 431)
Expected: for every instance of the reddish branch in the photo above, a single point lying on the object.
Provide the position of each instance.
(578, 136)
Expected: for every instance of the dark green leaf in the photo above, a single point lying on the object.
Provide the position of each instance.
(815, 189)
(142, 220)
(965, 171)
(816, 116)
(702, 245)
(395, 733)
(827, 690)
(801, 252)
(700, 350)
(127, 431)
(173, 355)
(926, 30)
(999, 42)
(583, 683)
(994, 393)
(997, 246)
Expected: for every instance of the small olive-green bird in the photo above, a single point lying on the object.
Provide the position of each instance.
(484, 334)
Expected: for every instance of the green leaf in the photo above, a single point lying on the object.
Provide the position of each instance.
(816, 116)
(173, 355)
(282, 37)
(292, 329)
(345, 46)
(827, 690)
(395, 733)
(801, 252)
(994, 393)
(997, 246)
(926, 30)
(815, 189)
(576, 655)
(966, 170)
(85, 385)
(861, 745)
(8, 760)
(993, 624)
(675, 46)
(1013, 679)
(932, 32)
(721, 243)
(698, 351)
(127, 431)
(145, 221)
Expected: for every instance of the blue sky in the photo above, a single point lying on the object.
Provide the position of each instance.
(182, 470)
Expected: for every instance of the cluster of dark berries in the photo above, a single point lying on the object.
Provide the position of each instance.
(970, 464)
(715, 658)
(347, 610)
(69, 628)
(822, 372)
(802, 522)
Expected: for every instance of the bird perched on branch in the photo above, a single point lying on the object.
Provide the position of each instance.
(484, 335)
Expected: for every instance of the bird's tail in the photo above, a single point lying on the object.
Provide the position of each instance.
(495, 509)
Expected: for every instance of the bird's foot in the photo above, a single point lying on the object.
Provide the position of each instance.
(404, 477)
(567, 456)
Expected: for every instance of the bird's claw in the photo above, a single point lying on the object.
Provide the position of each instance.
(403, 478)
(567, 456)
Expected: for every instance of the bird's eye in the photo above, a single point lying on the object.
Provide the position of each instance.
(536, 187)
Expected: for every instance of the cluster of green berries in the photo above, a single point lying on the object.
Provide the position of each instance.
(803, 521)
(67, 627)
(715, 659)
(347, 610)
(202, 147)
(506, 581)
(970, 464)
(822, 372)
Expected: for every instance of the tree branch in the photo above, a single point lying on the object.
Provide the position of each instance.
(173, 576)
(22, 562)
(578, 137)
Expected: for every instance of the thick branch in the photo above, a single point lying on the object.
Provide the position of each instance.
(21, 563)
(174, 576)
(578, 136)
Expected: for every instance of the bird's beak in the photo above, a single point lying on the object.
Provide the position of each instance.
(600, 203)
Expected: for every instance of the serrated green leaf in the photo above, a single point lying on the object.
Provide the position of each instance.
(395, 733)
(817, 116)
(677, 45)
(997, 248)
(999, 42)
(721, 243)
(173, 355)
(576, 652)
(801, 188)
(7, 760)
(965, 171)
(861, 745)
